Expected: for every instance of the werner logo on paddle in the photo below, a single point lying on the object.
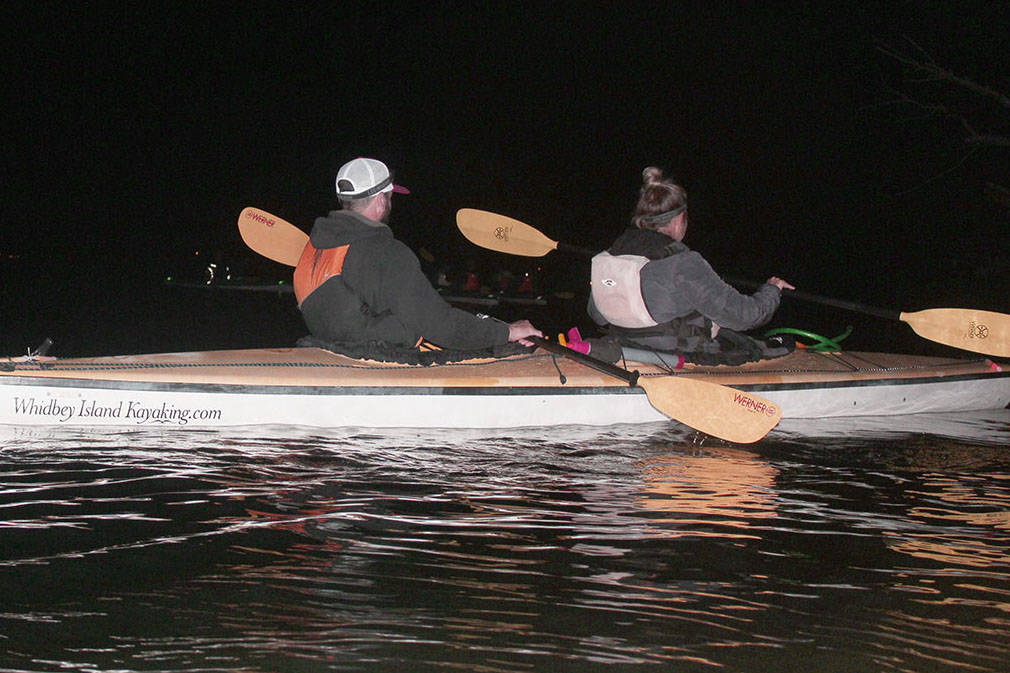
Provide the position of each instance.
(750, 403)
(503, 233)
(261, 218)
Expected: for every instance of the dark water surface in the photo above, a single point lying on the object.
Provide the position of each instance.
(288, 549)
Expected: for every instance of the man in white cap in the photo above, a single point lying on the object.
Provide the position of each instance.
(355, 283)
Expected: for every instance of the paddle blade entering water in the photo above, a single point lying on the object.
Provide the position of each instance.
(720, 411)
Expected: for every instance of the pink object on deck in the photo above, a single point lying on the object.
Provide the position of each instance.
(576, 343)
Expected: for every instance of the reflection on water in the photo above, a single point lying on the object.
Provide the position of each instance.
(696, 490)
(582, 549)
(962, 521)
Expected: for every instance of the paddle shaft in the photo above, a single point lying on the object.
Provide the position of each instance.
(598, 365)
(887, 314)
(574, 249)
(486, 229)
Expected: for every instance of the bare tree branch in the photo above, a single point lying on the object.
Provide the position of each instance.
(950, 169)
(919, 61)
(931, 90)
(933, 72)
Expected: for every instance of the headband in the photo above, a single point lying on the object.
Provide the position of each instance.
(663, 218)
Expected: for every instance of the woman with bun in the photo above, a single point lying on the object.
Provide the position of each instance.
(651, 292)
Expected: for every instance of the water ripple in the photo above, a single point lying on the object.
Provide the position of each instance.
(625, 549)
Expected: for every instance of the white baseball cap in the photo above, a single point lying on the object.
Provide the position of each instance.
(361, 178)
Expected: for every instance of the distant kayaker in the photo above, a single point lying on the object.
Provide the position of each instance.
(356, 284)
(652, 292)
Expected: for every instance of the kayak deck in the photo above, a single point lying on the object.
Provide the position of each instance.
(315, 366)
(307, 367)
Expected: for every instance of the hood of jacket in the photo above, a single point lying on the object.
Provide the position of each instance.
(645, 243)
(343, 227)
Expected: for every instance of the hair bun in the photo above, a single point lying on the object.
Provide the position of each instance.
(652, 175)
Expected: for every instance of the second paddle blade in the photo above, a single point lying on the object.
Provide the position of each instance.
(977, 331)
(501, 233)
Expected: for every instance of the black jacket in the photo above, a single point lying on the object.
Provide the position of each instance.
(382, 295)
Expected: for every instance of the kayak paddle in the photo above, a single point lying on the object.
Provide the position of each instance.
(985, 332)
(714, 409)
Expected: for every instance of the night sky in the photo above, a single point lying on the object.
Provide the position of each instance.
(136, 132)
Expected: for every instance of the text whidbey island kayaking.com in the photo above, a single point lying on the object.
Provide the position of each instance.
(125, 409)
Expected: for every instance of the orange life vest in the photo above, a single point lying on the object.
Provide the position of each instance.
(315, 267)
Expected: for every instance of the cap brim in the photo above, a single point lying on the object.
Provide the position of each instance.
(400, 190)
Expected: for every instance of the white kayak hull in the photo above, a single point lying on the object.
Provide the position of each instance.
(193, 405)
(315, 388)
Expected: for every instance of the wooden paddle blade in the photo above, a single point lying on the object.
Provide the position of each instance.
(271, 236)
(717, 410)
(503, 234)
(984, 332)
